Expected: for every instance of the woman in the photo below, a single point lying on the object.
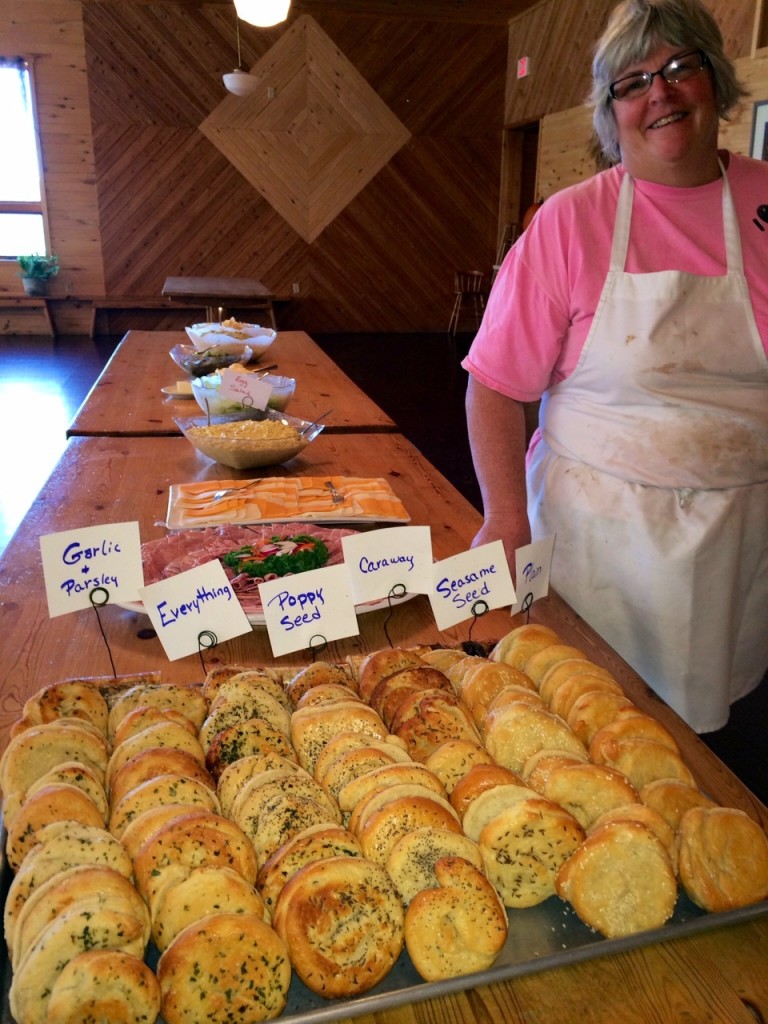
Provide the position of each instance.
(636, 307)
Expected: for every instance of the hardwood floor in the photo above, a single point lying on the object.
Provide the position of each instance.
(416, 379)
(42, 384)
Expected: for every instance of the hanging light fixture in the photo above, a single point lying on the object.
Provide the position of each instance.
(263, 13)
(239, 81)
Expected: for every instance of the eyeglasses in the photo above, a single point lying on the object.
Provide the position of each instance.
(677, 70)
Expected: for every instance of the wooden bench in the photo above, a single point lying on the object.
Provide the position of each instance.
(40, 302)
(125, 302)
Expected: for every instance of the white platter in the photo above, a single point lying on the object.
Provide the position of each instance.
(174, 391)
(249, 513)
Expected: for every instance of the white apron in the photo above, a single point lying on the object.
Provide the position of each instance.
(652, 471)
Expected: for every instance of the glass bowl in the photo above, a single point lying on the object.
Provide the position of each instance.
(257, 338)
(206, 392)
(198, 363)
(258, 438)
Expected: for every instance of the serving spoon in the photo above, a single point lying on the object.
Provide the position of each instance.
(315, 422)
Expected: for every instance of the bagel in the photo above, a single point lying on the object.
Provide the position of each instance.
(342, 921)
(458, 927)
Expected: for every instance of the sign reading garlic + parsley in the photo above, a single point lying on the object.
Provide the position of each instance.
(307, 609)
(94, 565)
(470, 584)
(392, 561)
(194, 610)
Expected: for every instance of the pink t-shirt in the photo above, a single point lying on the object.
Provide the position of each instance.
(544, 298)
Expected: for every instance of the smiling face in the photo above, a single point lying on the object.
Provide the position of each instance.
(669, 134)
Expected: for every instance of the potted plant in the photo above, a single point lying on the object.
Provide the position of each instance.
(35, 272)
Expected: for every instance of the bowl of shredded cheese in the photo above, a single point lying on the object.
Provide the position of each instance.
(261, 438)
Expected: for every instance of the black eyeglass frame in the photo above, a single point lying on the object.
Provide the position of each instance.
(663, 71)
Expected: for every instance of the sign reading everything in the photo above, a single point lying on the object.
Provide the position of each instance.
(94, 565)
(194, 610)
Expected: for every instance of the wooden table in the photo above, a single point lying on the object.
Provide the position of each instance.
(104, 479)
(717, 975)
(126, 400)
(219, 293)
(714, 975)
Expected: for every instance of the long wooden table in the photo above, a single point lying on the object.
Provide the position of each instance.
(124, 479)
(126, 400)
(714, 975)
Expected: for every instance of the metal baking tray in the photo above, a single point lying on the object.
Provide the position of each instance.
(540, 938)
(549, 935)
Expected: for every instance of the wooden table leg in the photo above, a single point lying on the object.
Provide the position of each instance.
(49, 318)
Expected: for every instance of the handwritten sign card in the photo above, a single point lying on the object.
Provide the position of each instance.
(245, 388)
(191, 605)
(76, 563)
(303, 610)
(471, 583)
(533, 564)
(381, 560)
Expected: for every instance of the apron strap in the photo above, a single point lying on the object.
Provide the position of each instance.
(734, 261)
(621, 225)
(620, 244)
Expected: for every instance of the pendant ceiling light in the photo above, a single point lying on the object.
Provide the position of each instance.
(263, 13)
(239, 81)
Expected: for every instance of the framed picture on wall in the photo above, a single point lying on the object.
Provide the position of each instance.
(759, 146)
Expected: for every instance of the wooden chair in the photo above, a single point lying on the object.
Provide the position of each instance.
(470, 292)
(509, 236)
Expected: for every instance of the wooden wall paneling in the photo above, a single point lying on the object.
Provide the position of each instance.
(753, 73)
(760, 29)
(50, 33)
(313, 135)
(125, 85)
(564, 150)
(470, 12)
(171, 204)
(155, 63)
(510, 201)
(557, 38)
(435, 205)
(736, 21)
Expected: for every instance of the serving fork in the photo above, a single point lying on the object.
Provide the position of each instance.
(336, 496)
(210, 497)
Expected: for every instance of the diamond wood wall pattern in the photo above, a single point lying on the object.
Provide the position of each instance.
(313, 135)
(136, 192)
(372, 242)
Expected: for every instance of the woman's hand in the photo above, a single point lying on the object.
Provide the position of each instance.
(513, 534)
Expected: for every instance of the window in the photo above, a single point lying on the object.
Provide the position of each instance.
(22, 224)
